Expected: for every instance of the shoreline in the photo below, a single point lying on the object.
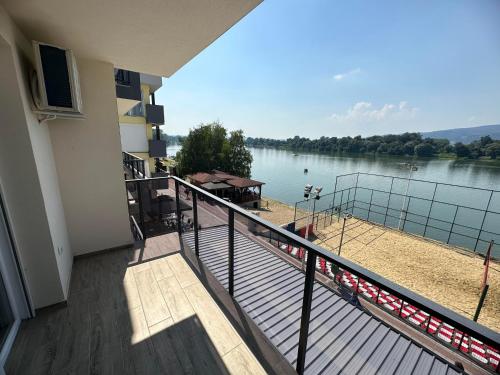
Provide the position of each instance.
(490, 162)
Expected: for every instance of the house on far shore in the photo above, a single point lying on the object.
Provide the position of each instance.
(239, 190)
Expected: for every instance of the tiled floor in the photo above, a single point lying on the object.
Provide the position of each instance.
(130, 316)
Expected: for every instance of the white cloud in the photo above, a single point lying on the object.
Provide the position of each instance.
(365, 112)
(472, 118)
(341, 76)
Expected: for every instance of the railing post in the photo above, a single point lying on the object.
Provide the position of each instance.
(430, 209)
(388, 202)
(452, 224)
(178, 207)
(231, 251)
(342, 235)
(141, 213)
(133, 169)
(481, 301)
(355, 191)
(306, 311)
(406, 214)
(314, 210)
(482, 222)
(340, 209)
(370, 206)
(334, 193)
(195, 223)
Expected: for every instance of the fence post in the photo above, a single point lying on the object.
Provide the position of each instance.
(388, 202)
(342, 235)
(178, 207)
(430, 208)
(333, 200)
(231, 251)
(306, 311)
(314, 210)
(295, 212)
(370, 206)
(340, 207)
(355, 191)
(406, 214)
(195, 223)
(482, 222)
(481, 301)
(452, 224)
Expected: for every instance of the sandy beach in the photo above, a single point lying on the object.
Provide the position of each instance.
(447, 275)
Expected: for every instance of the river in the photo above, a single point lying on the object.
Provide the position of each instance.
(283, 173)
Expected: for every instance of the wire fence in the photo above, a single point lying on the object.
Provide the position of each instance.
(462, 216)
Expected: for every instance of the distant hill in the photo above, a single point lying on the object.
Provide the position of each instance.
(466, 135)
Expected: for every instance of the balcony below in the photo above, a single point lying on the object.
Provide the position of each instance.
(128, 90)
(155, 114)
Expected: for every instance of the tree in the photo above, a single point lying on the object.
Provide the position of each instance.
(207, 147)
(493, 150)
(461, 150)
(424, 149)
(238, 158)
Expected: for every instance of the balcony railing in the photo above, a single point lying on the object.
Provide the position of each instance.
(352, 281)
(128, 84)
(134, 165)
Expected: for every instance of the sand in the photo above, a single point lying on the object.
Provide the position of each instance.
(277, 212)
(447, 275)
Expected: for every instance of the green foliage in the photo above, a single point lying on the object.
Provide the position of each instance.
(493, 150)
(461, 150)
(409, 144)
(424, 149)
(207, 147)
(238, 158)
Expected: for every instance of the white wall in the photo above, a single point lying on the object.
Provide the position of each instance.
(89, 164)
(134, 137)
(28, 177)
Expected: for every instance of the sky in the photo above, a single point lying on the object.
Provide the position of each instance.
(338, 68)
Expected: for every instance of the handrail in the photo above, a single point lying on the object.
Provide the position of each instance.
(132, 156)
(136, 226)
(468, 326)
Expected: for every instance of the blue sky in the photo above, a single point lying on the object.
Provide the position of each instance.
(337, 68)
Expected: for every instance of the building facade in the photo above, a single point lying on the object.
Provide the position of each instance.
(139, 125)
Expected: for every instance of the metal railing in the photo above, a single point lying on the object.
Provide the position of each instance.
(314, 252)
(134, 164)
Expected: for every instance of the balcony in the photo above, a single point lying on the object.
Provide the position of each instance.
(157, 148)
(136, 310)
(155, 114)
(210, 288)
(133, 166)
(128, 90)
(334, 315)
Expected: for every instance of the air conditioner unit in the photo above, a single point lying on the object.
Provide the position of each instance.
(55, 85)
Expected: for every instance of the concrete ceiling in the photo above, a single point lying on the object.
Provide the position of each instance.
(151, 36)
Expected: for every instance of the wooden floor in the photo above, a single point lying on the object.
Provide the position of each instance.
(134, 311)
